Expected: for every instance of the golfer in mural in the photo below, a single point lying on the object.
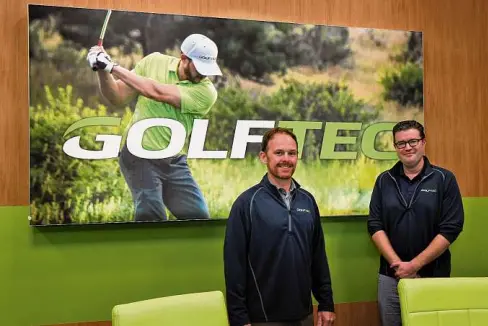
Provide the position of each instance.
(168, 87)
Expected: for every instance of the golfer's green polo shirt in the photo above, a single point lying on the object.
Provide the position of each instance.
(196, 99)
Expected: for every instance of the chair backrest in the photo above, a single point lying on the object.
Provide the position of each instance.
(206, 308)
(444, 301)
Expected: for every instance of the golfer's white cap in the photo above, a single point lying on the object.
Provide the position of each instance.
(203, 52)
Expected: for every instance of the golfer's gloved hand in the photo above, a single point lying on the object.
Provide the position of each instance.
(98, 59)
(92, 57)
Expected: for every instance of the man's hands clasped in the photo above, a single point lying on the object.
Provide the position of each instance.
(405, 269)
(98, 59)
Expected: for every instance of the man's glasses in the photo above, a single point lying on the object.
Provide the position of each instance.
(412, 142)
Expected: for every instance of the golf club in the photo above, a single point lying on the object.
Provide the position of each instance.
(102, 32)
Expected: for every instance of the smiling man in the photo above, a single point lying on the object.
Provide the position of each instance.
(416, 212)
(274, 249)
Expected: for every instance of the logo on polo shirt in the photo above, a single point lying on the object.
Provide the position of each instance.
(303, 210)
(428, 190)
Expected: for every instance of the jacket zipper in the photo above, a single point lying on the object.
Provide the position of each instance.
(289, 212)
(288, 209)
(414, 191)
(398, 188)
(289, 221)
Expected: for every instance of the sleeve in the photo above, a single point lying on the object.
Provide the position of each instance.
(235, 264)
(321, 280)
(197, 99)
(452, 212)
(140, 67)
(375, 223)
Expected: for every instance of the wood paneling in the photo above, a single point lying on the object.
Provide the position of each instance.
(347, 314)
(356, 313)
(455, 70)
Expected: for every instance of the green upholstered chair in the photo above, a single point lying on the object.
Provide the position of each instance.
(444, 301)
(202, 309)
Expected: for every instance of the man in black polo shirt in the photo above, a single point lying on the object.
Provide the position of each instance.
(415, 214)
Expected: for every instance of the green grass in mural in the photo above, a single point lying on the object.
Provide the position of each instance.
(339, 188)
(66, 190)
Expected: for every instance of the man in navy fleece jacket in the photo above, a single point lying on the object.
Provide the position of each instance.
(416, 212)
(274, 249)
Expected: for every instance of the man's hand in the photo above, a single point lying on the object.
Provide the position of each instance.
(325, 318)
(405, 269)
(92, 56)
(98, 59)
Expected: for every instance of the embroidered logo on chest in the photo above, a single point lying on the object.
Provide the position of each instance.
(428, 190)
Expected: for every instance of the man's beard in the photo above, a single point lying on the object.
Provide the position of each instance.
(189, 76)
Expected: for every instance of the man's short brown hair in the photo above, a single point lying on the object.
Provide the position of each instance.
(270, 134)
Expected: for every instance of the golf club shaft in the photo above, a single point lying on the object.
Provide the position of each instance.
(102, 32)
(104, 27)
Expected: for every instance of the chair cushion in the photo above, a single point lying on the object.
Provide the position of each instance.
(444, 301)
(207, 308)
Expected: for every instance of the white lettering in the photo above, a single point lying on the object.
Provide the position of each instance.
(242, 137)
(197, 142)
(110, 148)
(136, 133)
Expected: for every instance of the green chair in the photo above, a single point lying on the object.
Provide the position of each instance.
(203, 309)
(444, 301)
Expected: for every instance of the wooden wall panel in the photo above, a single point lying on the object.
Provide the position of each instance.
(455, 49)
(355, 314)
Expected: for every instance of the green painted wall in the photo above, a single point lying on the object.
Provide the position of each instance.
(69, 274)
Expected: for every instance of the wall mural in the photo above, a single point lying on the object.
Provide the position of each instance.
(175, 134)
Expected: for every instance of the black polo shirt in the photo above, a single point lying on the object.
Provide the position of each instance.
(437, 209)
(407, 185)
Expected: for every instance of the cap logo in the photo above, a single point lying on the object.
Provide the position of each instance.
(204, 57)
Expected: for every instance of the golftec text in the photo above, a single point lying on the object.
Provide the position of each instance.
(112, 143)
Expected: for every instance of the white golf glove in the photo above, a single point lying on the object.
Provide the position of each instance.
(92, 59)
(100, 60)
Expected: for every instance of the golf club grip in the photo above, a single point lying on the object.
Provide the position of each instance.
(100, 43)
